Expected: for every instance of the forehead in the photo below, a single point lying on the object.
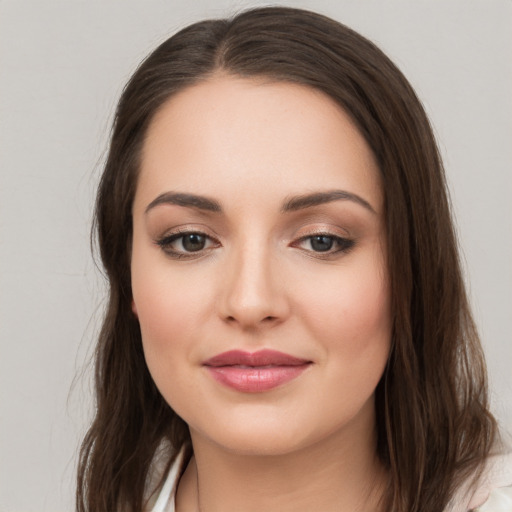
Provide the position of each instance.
(238, 136)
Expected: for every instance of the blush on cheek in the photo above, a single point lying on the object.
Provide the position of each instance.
(358, 319)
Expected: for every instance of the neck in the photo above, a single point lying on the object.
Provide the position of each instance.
(339, 473)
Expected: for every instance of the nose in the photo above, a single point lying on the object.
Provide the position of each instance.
(253, 295)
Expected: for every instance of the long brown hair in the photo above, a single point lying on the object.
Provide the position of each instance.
(434, 426)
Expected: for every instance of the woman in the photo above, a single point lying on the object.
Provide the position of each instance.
(287, 326)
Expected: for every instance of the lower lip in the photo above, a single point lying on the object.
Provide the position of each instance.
(255, 379)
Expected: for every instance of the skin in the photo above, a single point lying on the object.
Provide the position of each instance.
(260, 283)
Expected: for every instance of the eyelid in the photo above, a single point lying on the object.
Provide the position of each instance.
(325, 234)
(327, 230)
(184, 229)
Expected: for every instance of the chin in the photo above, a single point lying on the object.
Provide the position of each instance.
(252, 436)
(259, 444)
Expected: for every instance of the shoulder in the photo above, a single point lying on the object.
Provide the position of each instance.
(499, 500)
(491, 492)
(494, 491)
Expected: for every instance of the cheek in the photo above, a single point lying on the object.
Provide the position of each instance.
(167, 314)
(365, 309)
(168, 305)
(353, 303)
(349, 312)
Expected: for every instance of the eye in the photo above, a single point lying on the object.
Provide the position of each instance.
(321, 243)
(325, 243)
(193, 242)
(185, 244)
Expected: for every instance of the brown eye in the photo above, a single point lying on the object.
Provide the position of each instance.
(193, 242)
(184, 244)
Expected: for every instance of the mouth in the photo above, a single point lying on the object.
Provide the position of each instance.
(255, 372)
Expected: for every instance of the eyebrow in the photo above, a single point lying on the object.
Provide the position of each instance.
(187, 200)
(318, 198)
(291, 205)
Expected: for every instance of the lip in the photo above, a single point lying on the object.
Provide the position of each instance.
(255, 372)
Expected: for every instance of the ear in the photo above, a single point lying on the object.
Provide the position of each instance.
(134, 309)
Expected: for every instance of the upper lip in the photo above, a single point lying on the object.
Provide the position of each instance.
(265, 357)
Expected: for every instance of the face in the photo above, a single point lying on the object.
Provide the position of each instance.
(258, 270)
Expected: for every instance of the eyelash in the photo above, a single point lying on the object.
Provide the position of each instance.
(165, 243)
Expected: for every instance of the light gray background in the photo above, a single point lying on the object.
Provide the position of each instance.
(62, 67)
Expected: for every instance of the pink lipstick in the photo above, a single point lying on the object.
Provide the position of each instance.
(255, 372)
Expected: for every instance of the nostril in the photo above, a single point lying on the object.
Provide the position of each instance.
(266, 319)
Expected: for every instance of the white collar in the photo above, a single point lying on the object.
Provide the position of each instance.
(166, 497)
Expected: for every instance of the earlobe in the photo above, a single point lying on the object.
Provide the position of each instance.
(134, 309)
